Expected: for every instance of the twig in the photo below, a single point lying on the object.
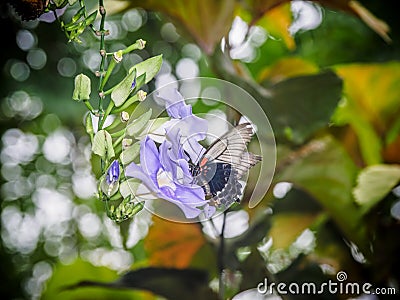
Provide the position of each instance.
(221, 250)
(102, 33)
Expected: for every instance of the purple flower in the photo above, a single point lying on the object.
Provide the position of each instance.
(165, 173)
(190, 128)
(113, 173)
(110, 184)
(50, 16)
(133, 83)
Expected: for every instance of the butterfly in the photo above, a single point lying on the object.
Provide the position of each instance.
(29, 9)
(222, 165)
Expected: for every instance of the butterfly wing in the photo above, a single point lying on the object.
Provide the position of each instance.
(231, 148)
(224, 163)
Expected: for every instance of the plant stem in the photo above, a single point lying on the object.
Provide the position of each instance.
(106, 114)
(221, 253)
(118, 133)
(102, 33)
(115, 144)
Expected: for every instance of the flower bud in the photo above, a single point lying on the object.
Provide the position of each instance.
(124, 116)
(141, 95)
(118, 56)
(126, 143)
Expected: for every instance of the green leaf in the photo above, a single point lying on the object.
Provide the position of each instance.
(302, 105)
(90, 19)
(124, 211)
(109, 189)
(370, 119)
(129, 187)
(176, 284)
(72, 2)
(129, 154)
(82, 88)
(370, 142)
(80, 13)
(153, 128)
(102, 145)
(81, 270)
(140, 81)
(150, 67)
(74, 26)
(286, 227)
(137, 125)
(89, 124)
(328, 174)
(374, 183)
(123, 89)
(393, 132)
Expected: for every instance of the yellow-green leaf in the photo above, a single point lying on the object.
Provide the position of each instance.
(150, 67)
(286, 227)
(276, 20)
(102, 145)
(123, 89)
(82, 88)
(66, 275)
(374, 183)
(328, 174)
(129, 154)
(129, 187)
(371, 105)
(286, 68)
(137, 125)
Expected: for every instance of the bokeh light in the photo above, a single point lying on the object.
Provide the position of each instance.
(26, 40)
(66, 67)
(132, 20)
(19, 71)
(36, 58)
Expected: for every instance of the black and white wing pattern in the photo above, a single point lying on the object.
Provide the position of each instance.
(224, 163)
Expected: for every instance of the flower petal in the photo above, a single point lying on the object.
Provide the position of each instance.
(135, 171)
(113, 173)
(49, 17)
(190, 200)
(184, 176)
(165, 159)
(149, 158)
(175, 103)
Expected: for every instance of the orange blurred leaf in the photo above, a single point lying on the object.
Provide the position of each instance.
(206, 21)
(172, 244)
(277, 21)
(287, 68)
(391, 153)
